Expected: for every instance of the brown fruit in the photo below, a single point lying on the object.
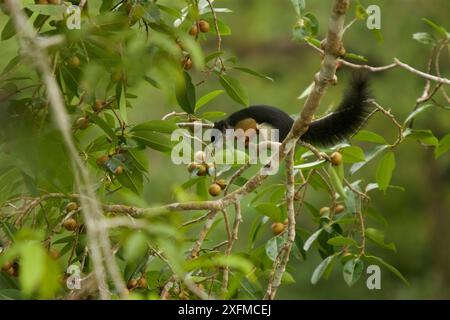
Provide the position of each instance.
(324, 210)
(183, 295)
(102, 160)
(74, 62)
(339, 208)
(204, 26)
(192, 166)
(11, 271)
(132, 284)
(70, 224)
(7, 265)
(71, 206)
(42, 2)
(118, 171)
(336, 158)
(278, 228)
(202, 170)
(54, 1)
(214, 190)
(82, 123)
(222, 183)
(193, 31)
(54, 254)
(142, 283)
(98, 105)
(187, 63)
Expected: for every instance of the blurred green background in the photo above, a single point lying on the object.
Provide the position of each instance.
(418, 218)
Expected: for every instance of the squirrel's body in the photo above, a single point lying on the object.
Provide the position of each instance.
(346, 120)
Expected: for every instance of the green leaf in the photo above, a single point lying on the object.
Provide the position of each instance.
(377, 236)
(32, 266)
(424, 136)
(311, 239)
(131, 180)
(254, 73)
(439, 29)
(299, 6)
(336, 181)
(352, 271)
(385, 169)
(369, 156)
(353, 154)
(234, 89)
(185, 93)
(322, 269)
(355, 56)
(306, 92)
(103, 125)
(378, 35)
(369, 136)
(47, 9)
(255, 230)
(162, 126)
(213, 115)
(140, 159)
(273, 247)
(135, 246)
(443, 147)
(424, 38)
(270, 210)
(207, 98)
(311, 165)
(153, 140)
(342, 241)
(373, 259)
(416, 112)
(122, 101)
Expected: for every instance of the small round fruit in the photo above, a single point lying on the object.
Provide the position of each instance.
(132, 284)
(222, 183)
(192, 166)
(102, 160)
(70, 224)
(183, 295)
(98, 105)
(202, 170)
(324, 211)
(142, 283)
(204, 26)
(82, 123)
(11, 271)
(278, 228)
(193, 31)
(187, 63)
(74, 62)
(54, 254)
(336, 158)
(339, 208)
(71, 206)
(7, 265)
(118, 171)
(214, 190)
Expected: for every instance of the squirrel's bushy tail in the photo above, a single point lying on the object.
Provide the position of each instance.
(347, 119)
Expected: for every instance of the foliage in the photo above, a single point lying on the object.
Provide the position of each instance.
(121, 46)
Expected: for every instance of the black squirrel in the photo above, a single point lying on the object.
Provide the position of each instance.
(329, 130)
